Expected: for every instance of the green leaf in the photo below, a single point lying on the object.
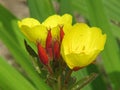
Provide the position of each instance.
(79, 6)
(10, 79)
(116, 30)
(7, 27)
(112, 11)
(35, 59)
(64, 6)
(81, 74)
(100, 80)
(40, 9)
(111, 8)
(97, 17)
(84, 81)
(30, 50)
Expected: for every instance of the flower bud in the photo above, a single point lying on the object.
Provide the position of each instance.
(49, 44)
(61, 33)
(42, 54)
(56, 50)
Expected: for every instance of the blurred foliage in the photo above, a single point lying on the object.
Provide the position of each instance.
(102, 13)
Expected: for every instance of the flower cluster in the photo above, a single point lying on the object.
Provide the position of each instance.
(56, 38)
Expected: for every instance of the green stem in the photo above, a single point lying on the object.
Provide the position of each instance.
(59, 83)
(49, 69)
(68, 76)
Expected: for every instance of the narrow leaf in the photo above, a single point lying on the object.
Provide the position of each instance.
(111, 59)
(10, 79)
(40, 9)
(8, 25)
(30, 50)
(81, 74)
(84, 81)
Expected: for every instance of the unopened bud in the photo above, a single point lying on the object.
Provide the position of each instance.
(50, 52)
(49, 44)
(42, 54)
(61, 33)
(56, 50)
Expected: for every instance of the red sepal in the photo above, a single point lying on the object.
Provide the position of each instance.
(56, 49)
(61, 33)
(77, 68)
(42, 54)
(49, 44)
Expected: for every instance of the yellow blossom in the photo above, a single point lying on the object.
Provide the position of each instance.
(56, 21)
(36, 31)
(33, 30)
(82, 45)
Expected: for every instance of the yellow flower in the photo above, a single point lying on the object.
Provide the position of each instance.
(56, 21)
(36, 31)
(81, 45)
(33, 30)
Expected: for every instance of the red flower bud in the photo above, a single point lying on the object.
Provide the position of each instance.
(56, 50)
(50, 52)
(42, 54)
(49, 44)
(61, 33)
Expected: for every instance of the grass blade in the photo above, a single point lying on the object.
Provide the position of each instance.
(64, 7)
(97, 17)
(40, 9)
(80, 75)
(8, 26)
(10, 79)
(110, 8)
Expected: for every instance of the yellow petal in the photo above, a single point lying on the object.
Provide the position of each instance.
(67, 28)
(52, 21)
(29, 22)
(82, 45)
(66, 19)
(80, 60)
(55, 32)
(56, 20)
(24, 30)
(37, 33)
(76, 38)
(97, 38)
